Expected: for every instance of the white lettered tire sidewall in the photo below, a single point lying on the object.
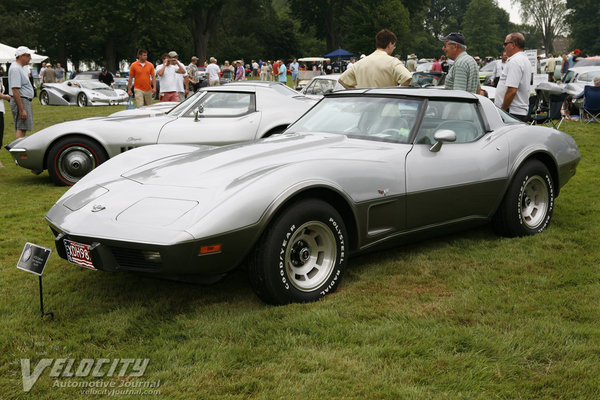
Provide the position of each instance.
(303, 254)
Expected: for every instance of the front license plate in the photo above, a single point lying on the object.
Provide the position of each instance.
(79, 254)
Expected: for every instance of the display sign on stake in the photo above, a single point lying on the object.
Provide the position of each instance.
(34, 259)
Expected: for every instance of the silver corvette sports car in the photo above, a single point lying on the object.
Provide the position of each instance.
(363, 168)
(215, 115)
(82, 93)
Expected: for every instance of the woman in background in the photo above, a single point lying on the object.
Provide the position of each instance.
(565, 67)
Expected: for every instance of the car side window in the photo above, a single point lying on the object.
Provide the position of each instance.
(460, 117)
(223, 104)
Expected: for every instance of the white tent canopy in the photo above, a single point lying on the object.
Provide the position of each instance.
(7, 55)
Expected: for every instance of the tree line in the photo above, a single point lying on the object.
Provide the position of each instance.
(109, 31)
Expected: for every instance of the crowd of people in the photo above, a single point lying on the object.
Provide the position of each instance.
(171, 80)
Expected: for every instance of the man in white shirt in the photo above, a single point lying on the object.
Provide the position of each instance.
(169, 72)
(498, 68)
(213, 71)
(512, 94)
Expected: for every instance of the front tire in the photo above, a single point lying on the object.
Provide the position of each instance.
(44, 98)
(528, 204)
(302, 255)
(71, 158)
(82, 100)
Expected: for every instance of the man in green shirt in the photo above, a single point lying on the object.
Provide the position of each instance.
(464, 73)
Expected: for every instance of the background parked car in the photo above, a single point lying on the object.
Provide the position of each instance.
(217, 115)
(86, 92)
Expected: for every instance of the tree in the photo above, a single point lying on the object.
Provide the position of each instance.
(203, 18)
(325, 16)
(485, 27)
(585, 20)
(548, 16)
(445, 16)
(368, 17)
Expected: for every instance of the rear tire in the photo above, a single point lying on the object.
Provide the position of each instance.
(528, 204)
(301, 256)
(71, 158)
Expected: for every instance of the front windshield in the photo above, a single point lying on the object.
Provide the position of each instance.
(285, 90)
(368, 117)
(507, 118)
(489, 67)
(93, 85)
(181, 107)
(569, 76)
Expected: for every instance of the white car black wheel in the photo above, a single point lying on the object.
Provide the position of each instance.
(44, 98)
(82, 100)
(71, 158)
(528, 204)
(301, 257)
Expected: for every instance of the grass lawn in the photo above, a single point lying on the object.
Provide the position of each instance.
(471, 316)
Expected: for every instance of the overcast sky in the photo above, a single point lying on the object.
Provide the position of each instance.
(512, 10)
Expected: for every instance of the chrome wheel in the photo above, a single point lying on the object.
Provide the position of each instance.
(81, 100)
(44, 98)
(75, 162)
(534, 202)
(310, 256)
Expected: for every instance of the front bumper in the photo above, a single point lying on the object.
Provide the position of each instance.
(169, 261)
(26, 158)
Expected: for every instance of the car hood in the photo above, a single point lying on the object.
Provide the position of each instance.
(235, 163)
(173, 192)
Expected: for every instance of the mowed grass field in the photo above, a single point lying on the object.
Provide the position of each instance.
(467, 316)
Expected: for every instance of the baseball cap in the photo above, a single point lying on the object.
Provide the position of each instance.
(173, 54)
(454, 37)
(576, 51)
(22, 50)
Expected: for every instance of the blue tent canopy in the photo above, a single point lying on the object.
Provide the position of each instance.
(339, 53)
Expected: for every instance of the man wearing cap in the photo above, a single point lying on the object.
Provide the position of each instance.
(21, 92)
(574, 57)
(106, 77)
(213, 71)
(142, 74)
(378, 69)
(411, 63)
(464, 74)
(169, 73)
(181, 79)
(49, 74)
(512, 94)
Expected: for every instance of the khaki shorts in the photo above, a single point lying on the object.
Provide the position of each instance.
(142, 98)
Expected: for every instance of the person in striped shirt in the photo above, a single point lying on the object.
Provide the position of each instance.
(464, 73)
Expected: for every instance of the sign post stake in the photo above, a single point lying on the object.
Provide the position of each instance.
(49, 313)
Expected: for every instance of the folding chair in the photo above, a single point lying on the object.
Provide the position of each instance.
(590, 111)
(532, 112)
(554, 116)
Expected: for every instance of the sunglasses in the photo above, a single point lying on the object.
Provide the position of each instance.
(506, 43)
